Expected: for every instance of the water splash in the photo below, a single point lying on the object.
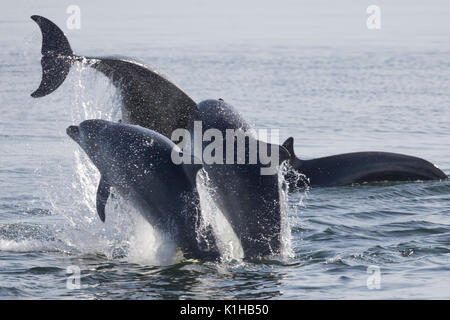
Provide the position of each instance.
(147, 246)
(287, 251)
(229, 244)
(286, 236)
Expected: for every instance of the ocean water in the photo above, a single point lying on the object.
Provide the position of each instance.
(310, 69)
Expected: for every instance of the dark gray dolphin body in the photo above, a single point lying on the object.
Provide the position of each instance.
(358, 167)
(137, 163)
(149, 99)
(249, 200)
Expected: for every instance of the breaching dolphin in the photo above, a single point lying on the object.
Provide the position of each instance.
(137, 163)
(251, 201)
(357, 168)
(149, 98)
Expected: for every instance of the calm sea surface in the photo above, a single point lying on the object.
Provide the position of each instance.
(311, 69)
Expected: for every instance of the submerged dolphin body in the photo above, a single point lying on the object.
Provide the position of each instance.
(358, 167)
(137, 163)
(149, 99)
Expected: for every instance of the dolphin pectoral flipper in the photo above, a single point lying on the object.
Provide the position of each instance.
(103, 191)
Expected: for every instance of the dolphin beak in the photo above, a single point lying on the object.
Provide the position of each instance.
(74, 133)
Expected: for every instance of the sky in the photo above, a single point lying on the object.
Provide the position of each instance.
(412, 23)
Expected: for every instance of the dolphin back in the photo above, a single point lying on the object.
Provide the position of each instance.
(361, 167)
(149, 99)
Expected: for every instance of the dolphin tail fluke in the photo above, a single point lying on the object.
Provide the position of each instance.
(57, 57)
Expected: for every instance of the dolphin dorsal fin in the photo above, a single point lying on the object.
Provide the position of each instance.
(103, 191)
(289, 145)
(284, 154)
